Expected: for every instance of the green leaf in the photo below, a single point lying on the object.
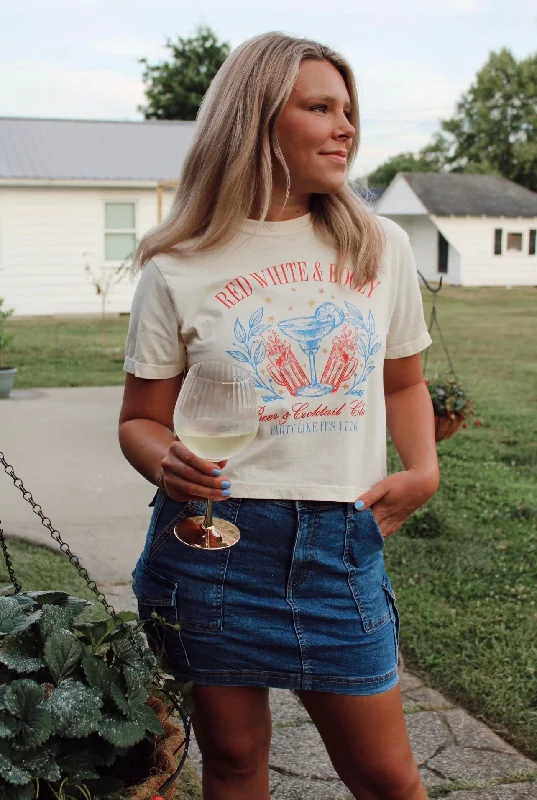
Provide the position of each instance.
(132, 651)
(75, 709)
(41, 764)
(147, 718)
(24, 700)
(131, 698)
(10, 771)
(120, 731)
(48, 597)
(21, 652)
(100, 676)
(128, 616)
(7, 726)
(55, 618)
(13, 618)
(63, 652)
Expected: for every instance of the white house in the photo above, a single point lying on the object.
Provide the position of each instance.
(77, 192)
(476, 230)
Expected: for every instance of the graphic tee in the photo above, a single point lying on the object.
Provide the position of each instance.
(273, 302)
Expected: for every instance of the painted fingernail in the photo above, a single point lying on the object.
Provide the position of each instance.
(226, 492)
(216, 473)
(226, 484)
(359, 505)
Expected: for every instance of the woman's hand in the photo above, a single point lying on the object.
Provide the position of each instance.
(395, 498)
(188, 477)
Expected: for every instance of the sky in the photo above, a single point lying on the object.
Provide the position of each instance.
(413, 59)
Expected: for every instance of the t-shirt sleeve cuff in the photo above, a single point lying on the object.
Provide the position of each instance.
(410, 348)
(155, 371)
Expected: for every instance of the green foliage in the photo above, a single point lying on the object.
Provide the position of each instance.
(493, 130)
(5, 339)
(175, 89)
(448, 398)
(73, 696)
(383, 175)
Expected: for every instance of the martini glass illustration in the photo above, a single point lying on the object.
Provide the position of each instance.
(309, 332)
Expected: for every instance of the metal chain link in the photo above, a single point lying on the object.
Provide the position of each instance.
(64, 547)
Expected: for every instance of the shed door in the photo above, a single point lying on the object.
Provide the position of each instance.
(443, 246)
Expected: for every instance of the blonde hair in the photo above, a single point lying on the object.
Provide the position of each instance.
(227, 174)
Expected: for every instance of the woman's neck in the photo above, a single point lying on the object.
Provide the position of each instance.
(282, 209)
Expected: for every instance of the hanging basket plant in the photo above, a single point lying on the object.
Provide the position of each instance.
(451, 406)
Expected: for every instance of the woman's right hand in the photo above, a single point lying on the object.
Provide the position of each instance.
(188, 477)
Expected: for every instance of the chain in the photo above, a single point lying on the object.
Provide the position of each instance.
(7, 559)
(432, 321)
(64, 547)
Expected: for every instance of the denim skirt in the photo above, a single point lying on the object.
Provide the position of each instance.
(302, 601)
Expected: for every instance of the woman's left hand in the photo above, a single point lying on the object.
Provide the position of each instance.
(395, 498)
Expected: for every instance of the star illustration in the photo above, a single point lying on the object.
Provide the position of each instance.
(333, 297)
(262, 372)
(293, 289)
(281, 392)
(321, 291)
(311, 303)
(346, 386)
(290, 308)
(325, 351)
(272, 318)
(268, 300)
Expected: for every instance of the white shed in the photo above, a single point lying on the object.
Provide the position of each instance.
(476, 230)
(77, 192)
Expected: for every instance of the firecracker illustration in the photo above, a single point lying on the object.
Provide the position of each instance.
(341, 363)
(283, 366)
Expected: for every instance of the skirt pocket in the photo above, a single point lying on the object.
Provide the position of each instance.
(364, 560)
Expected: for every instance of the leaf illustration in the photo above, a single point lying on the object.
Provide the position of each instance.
(360, 344)
(371, 323)
(238, 356)
(375, 348)
(259, 330)
(258, 384)
(269, 397)
(260, 353)
(240, 333)
(256, 318)
(355, 312)
(369, 370)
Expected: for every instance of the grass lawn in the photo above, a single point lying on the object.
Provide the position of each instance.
(67, 352)
(467, 583)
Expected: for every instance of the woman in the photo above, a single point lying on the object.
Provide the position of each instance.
(264, 232)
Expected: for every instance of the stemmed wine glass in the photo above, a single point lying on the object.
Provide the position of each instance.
(215, 417)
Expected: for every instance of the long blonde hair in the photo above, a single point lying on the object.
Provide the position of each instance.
(228, 170)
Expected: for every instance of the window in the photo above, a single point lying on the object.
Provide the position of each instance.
(514, 243)
(498, 242)
(120, 231)
(531, 248)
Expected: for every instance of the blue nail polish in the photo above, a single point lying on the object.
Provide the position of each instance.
(226, 492)
(226, 484)
(359, 505)
(216, 473)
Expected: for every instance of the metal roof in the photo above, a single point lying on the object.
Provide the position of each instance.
(467, 195)
(92, 150)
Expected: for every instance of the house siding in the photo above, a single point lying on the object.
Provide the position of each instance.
(47, 235)
(473, 237)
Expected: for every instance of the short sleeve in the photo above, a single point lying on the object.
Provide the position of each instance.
(154, 347)
(407, 333)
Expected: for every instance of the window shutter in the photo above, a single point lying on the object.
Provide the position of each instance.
(533, 236)
(498, 241)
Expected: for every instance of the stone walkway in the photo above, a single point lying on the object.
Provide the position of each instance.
(63, 444)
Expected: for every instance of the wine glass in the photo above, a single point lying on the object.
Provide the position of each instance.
(215, 417)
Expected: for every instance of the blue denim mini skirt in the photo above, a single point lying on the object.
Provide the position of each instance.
(302, 601)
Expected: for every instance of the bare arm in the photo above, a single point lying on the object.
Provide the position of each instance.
(410, 421)
(148, 443)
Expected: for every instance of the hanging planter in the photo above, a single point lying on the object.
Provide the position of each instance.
(450, 405)
(450, 401)
(84, 709)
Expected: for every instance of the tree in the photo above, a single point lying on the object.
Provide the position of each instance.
(383, 175)
(493, 130)
(175, 88)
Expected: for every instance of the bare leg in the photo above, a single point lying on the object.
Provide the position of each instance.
(233, 728)
(367, 742)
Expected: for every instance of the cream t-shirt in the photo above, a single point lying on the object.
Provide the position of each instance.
(271, 301)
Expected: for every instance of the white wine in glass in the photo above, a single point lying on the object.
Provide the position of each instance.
(215, 417)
